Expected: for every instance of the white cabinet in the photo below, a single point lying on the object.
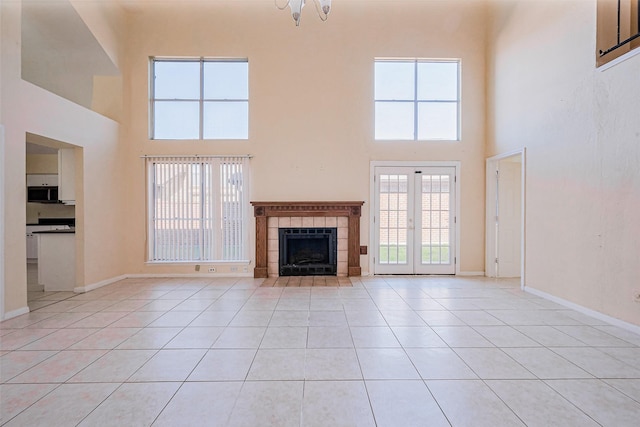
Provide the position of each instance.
(32, 246)
(42, 180)
(32, 239)
(67, 175)
(57, 261)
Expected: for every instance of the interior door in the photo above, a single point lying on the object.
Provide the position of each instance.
(414, 220)
(509, 215)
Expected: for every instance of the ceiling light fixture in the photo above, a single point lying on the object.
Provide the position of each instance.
(323, 7)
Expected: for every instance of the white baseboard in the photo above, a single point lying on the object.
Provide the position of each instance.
(92, 286)
(189, 275)
(462, 273)
(15, 313)
(470, 273)
(584, 310)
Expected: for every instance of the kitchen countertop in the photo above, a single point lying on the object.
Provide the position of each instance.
(67, 231)
(55, 221)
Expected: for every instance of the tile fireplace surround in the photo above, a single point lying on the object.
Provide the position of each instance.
(273, 215)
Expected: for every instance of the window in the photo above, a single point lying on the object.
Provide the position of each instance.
(417, 99)
(198, 208)
(618, 30)
(199, 99)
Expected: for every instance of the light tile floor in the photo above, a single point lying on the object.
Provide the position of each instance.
(389, 351)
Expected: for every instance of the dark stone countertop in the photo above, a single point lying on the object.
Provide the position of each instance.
(68, 231)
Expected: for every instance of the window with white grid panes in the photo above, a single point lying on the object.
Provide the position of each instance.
(199, 99)
(417, 99)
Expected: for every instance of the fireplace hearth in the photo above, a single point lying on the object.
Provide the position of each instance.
(308, 251)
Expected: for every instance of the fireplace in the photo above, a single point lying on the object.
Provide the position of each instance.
(308, 251)
(270, 216)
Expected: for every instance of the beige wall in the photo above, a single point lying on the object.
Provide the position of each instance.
(311, 100)
(581, 130)
(28, 108)
(42, 163)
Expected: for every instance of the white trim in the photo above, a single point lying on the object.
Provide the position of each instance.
(3, 170)
(211, 263)
(372, 209)
(614, 62)
(470, 273)
(15, 313)
(92, 286)
(587, 311)
(190, 275)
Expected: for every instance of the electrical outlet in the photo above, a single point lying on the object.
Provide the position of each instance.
(636, 295)
(212, 269)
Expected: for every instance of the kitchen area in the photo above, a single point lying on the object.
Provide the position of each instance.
(50, 214)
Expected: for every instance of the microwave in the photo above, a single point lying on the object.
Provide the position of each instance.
(42, 194)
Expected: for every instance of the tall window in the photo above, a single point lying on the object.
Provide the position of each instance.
(417, 99)
(198, 208)
(199, 99)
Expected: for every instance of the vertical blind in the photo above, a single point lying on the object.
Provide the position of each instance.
(198, 208)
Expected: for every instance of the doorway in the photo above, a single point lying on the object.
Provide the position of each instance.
(50, 165)
(414, 219)
(505, 216)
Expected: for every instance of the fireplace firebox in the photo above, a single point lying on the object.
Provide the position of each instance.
(308, 251)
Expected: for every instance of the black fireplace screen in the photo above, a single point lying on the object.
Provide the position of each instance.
(308, 251)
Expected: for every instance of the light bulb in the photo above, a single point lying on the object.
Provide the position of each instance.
(296, 9)
(325, 5)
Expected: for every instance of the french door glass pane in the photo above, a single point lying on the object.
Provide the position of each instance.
(394, 120)
(177, 80)
(436, 217)
(176, 120)
(438, 120)
(226, 120)
(393, 223)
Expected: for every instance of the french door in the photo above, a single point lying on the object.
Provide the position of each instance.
(414, 220)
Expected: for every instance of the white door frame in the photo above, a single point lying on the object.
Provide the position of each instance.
(491, 202)
(419, 164)
(2, 242)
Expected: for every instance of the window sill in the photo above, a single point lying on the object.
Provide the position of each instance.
(619, 59)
